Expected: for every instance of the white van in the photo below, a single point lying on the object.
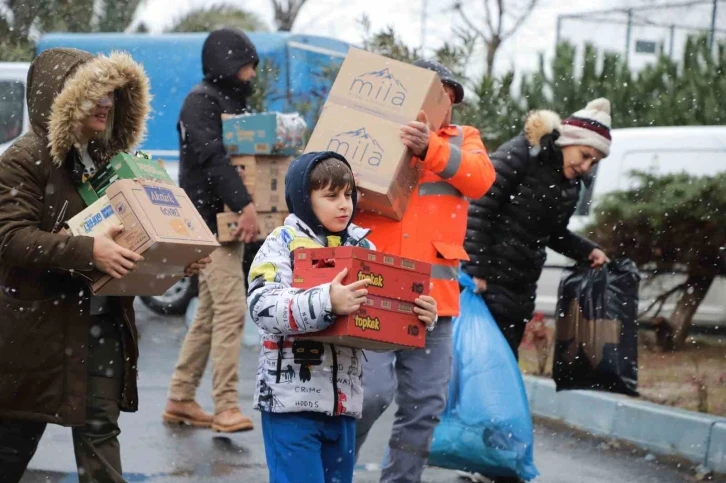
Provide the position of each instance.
(697, 150)
(13, 110)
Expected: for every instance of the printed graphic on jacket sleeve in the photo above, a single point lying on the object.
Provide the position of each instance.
(266, 270)
(311, 305)
(308, 307)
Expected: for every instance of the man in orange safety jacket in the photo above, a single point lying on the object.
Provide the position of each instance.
(455, 167)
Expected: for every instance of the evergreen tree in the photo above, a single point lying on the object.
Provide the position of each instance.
(20, 17)
(671, 223)
(206, 19)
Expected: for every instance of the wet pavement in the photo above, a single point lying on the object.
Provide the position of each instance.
(153, 452)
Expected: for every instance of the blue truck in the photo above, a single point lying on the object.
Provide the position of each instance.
(173, 63)
(299, 68)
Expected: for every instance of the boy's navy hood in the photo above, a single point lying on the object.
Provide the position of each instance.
(297, 190)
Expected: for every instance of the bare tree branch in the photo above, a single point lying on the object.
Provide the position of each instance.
(522, 18)
(493, 32)
(478, 32)
(500, 18)
(488, 15)
(467, 40)
(662, 299)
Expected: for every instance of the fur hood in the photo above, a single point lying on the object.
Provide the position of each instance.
(540, 123)
(60, 102)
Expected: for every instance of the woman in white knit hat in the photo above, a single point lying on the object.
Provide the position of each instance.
(539, 177)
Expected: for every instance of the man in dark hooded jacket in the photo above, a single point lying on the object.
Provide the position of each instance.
(229, 60)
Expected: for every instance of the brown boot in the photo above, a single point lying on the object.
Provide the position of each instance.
(187, 412)
(231, 421)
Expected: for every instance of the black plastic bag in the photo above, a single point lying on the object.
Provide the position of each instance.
(596, 337)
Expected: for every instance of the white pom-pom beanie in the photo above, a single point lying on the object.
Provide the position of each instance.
(588, 127)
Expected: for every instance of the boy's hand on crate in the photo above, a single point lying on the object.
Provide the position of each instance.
(426, 310)
(110, 257)
(346, 299)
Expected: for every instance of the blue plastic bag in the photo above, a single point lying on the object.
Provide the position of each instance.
(486, 427)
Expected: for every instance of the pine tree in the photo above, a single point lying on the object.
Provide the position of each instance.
(665, 93)
(20, 17)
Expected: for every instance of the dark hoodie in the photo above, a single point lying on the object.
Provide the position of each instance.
(297, 191)
(205, 172)
(224, 53)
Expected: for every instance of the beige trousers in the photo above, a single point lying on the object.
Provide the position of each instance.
(216, 330)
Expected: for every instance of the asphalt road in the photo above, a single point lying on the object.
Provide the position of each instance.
(153, 452)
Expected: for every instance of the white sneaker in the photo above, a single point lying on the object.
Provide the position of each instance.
(475, 477)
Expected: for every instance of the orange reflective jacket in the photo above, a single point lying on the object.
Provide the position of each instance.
(456, 167)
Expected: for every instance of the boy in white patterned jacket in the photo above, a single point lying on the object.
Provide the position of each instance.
(310, 393)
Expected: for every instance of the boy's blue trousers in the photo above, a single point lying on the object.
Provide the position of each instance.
(309, 447)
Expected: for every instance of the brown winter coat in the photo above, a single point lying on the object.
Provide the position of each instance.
(44, 305)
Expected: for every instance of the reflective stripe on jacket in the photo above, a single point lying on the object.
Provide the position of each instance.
(456, 167)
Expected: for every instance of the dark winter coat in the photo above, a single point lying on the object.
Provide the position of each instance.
(44, 304)
(205, 172)
(527, 209)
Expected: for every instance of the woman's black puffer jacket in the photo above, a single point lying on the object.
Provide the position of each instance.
(527, 209)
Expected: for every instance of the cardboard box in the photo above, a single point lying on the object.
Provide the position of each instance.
(388, 88)
(371, 98)
(372, 146)
(264, 133)
(227, 224)
(387, 321)
(160, 223)
(123, 166)
(270, 221)
(264, 177)
(95, 219)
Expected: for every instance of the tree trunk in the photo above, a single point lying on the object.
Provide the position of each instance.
(696, 289)
(492, 47)
(285, 15)
(284, 23)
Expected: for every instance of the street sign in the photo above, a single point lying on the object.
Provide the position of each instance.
(644, 47)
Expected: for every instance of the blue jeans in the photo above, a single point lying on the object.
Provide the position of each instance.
(309, 447)
(419, 381)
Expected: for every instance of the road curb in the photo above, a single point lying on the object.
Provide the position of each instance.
(716, 458)
(698, 437)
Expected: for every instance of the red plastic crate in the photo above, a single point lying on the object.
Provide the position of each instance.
(387, 320)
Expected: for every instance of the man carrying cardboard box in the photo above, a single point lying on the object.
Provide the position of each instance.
(229, 60)
(454, 166)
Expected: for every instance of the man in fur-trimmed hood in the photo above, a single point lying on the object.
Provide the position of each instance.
(66, 357)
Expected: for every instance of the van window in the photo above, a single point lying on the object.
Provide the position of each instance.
(586, 189)
(692, 161)
(12, 104)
